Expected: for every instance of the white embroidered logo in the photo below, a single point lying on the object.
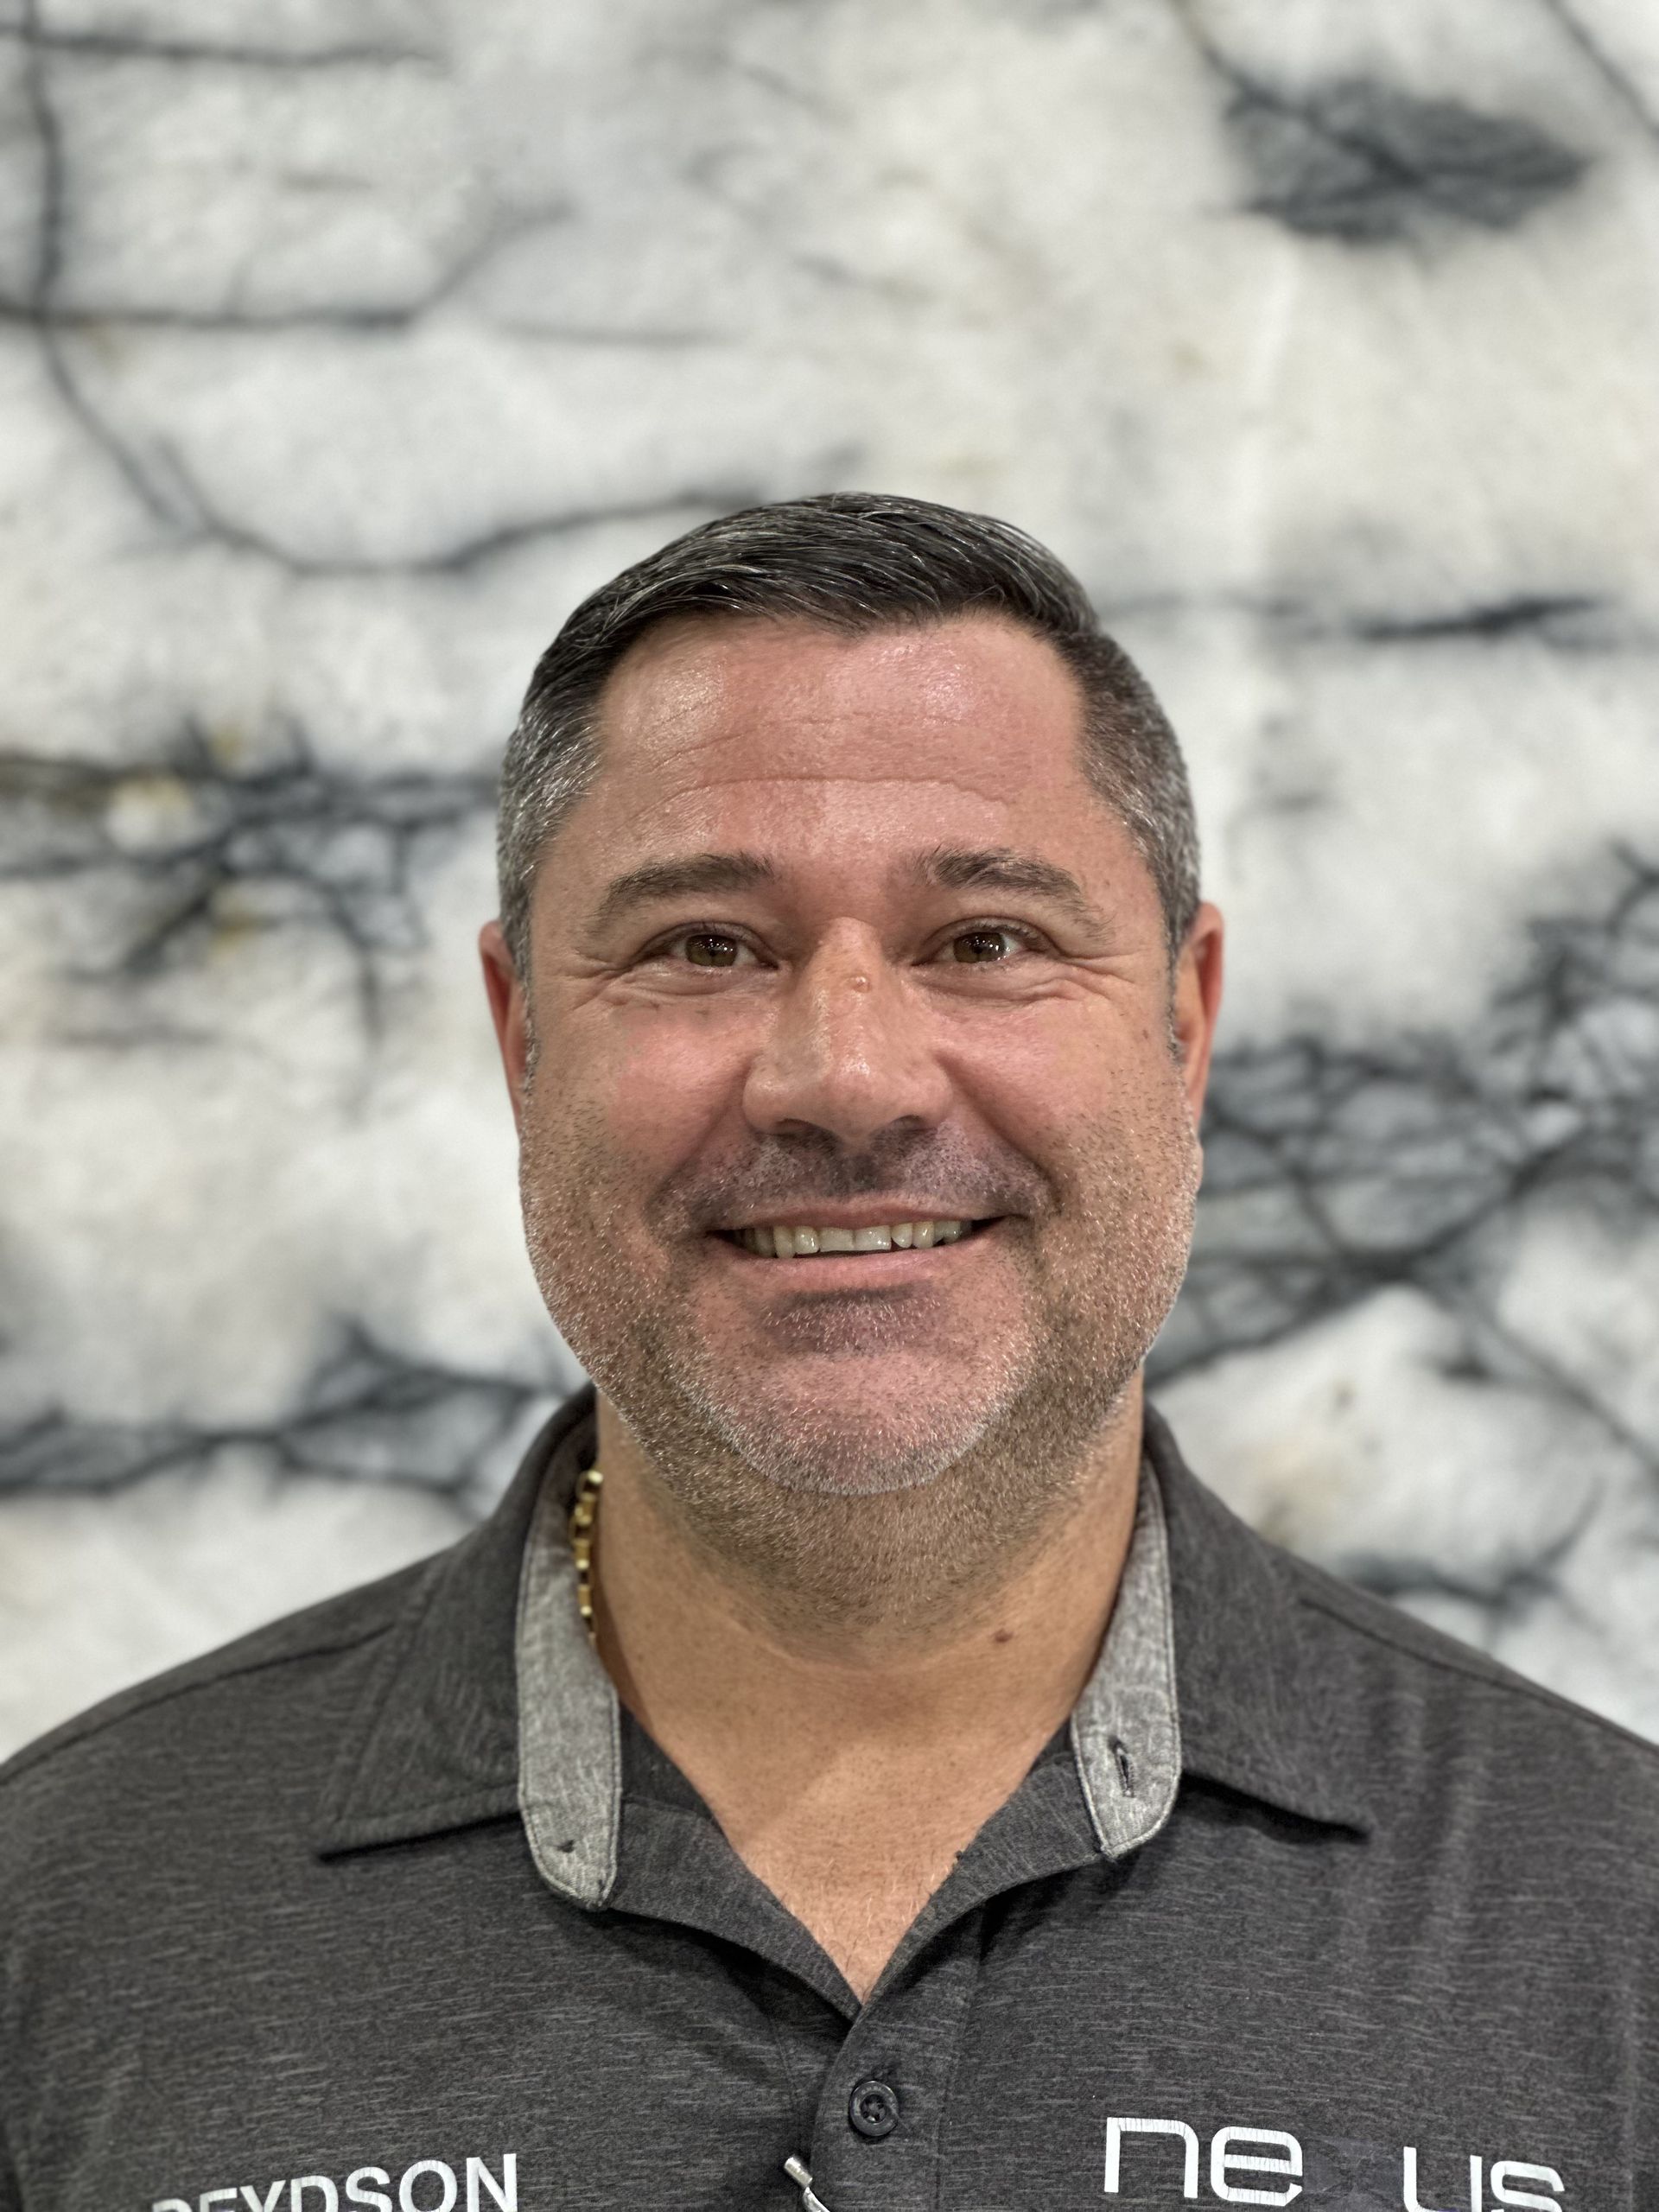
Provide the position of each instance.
(428, 2185)
(1263, 2165)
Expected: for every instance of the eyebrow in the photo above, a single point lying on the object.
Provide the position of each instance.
(692, 876)
(998, 867)
(946, 867)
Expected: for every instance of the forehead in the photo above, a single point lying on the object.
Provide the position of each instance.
(717, 724)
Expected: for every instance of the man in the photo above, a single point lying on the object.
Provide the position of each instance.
(857, 1766)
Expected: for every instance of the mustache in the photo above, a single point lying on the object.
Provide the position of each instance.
(782, 1173)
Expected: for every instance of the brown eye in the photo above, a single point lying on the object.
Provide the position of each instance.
(981, 944)
(707, 948)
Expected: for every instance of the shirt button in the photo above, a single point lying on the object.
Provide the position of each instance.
(873, 2110)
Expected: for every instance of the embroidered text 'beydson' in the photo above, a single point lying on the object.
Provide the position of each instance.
(428, 2185)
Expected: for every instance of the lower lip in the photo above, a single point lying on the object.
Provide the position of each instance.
(831, 1271)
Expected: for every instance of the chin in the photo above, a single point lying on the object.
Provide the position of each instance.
(805, 1446)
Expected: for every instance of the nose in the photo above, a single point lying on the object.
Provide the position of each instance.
(848, 1051)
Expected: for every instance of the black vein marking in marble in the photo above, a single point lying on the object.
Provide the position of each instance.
(40, 304)
(1334, 1172)
(1618, 80)
(642, 338)
(1368, 163)
(115, 46)
(1527, 613)
(1565, 619)
(368, 1414)
(165, 489)
(468, 553)
(1507, 1594)
(370, 321)
(127, 315)
(99, 317)
(200, 846)
(168, 489)
(1365, 163)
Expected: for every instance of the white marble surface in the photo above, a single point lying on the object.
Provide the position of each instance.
(343, 346)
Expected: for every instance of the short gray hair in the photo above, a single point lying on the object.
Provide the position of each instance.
(853, 561)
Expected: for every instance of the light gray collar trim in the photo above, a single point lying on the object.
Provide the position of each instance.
(1126, 1729)
(569, 1723)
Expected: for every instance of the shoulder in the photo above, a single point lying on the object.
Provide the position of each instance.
(257, 1747)
(1423, 1712)
(1348, 1707)
(238, 1705)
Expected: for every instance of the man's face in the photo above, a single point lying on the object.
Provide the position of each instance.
(842, 940)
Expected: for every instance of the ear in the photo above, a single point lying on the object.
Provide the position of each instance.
(1197, 1001)
(509, 1010)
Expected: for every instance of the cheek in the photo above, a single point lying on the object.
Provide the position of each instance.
(655, 1079)
(1048, 1075)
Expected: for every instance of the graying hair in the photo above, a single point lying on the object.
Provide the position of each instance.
(853, 561)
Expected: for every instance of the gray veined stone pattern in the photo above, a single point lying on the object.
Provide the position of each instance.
(288, 839)
(343, 346)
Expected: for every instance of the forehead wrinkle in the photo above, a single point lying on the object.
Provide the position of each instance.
(829, 778)
(831, 746)
(851, 681)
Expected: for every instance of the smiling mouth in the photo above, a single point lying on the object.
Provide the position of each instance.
(779, 1241)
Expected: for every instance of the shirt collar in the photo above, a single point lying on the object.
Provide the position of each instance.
(1262, 1705)
(1126, 1729)
(571, 1725)
(432, 1742)
(1125, 1732)
(490, 1631)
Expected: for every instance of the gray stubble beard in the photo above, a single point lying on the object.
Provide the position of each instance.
(813, 1520)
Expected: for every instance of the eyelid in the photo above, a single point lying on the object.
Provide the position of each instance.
(1029, 935)
(669, 938)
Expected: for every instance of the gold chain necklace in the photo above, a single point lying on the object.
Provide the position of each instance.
(584, 1520)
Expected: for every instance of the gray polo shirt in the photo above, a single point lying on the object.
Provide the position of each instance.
(390, 1905)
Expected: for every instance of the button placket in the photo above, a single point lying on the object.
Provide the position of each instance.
(876, 2138)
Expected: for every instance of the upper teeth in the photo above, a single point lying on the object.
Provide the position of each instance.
(781, 1244)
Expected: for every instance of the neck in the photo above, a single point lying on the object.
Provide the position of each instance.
(692, 1588)
(849, 1756)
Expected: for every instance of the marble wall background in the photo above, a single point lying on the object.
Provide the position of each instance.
(344, 343)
